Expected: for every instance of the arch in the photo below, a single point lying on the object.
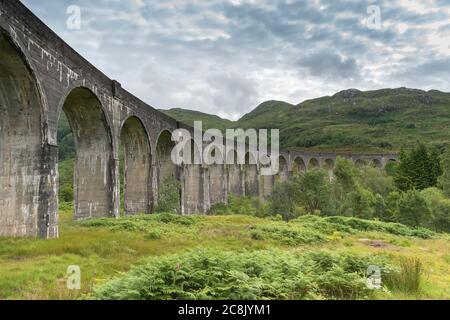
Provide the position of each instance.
(137, 167)
(360, 163)
(21, 152)
(94, 167)
(251, 175)
(329, 164)
(313, 164)
(376, 163)
(283, 173)
(164, 164)
(298, 166)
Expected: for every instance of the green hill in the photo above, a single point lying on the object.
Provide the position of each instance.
(188, 116)
(380, 120)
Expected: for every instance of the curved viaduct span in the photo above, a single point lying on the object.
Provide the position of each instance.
(41, 77)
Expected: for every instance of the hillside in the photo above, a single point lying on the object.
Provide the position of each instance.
(380, 120)
(189, 116)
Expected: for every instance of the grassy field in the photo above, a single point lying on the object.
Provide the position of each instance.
(106, 248)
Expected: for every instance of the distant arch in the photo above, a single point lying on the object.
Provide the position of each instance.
(137, 166)
(376, 163)
(360, 163)
(298, 166)
(283, 173)
(313, 164)
(329, 164)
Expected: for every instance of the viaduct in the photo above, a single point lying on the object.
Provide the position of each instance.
(41, 77)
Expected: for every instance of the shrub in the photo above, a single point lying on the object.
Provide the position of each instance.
(413, 210)
(313, 192)
(360, 203)
(439, 206)
(282, 201)
(345, 173)
(408, 277)
(169, 196)
(267, 274)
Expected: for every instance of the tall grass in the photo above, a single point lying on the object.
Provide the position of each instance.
(408, 278)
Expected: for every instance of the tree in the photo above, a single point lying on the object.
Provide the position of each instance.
(313, 191)
(444, 180)
(419, 169)
(439, 206)
(360, 203)
(169, 196)
(413, 209)
(345, 174)
(282, 201)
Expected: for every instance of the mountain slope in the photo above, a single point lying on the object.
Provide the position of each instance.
(380, 120)
(188, 116)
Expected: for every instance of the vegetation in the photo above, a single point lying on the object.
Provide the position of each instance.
(352, 120)
(418, 169)
(170, 256)
(169, 196)
(360, 192)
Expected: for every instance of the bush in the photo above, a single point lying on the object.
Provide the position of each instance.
(408, 277)
(439, 206)
(169, 196)
(413, 210)
(314, 192)
(282, 201)
(217, 275)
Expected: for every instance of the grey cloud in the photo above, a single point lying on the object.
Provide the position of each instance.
(217, 57)
(331, 66)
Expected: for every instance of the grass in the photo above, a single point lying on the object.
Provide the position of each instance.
(107, 249)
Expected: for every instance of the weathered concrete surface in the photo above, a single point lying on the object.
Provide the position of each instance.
(217, 184)
(41, 77)
(137, 157)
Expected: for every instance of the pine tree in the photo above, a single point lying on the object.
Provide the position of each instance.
(419, 169)
(444, 180)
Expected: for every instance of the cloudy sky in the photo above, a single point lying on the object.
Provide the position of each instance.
(227, 56)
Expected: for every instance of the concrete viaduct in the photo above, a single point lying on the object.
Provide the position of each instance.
(41, 77)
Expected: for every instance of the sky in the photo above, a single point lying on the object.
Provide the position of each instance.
(225, 57)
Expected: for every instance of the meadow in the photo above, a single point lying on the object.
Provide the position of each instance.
(166, 256)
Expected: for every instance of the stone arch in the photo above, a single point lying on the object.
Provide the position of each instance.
(329, 164)
(313, 164)
(137, 167)
(376, 163)
(360, 163)
(251, 175)
(165, 168)
(24, 210)
(298, 166)
(94, 168)
(283, 172)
